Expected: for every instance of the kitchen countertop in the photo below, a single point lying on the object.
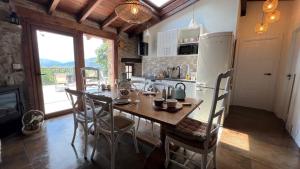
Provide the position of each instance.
(167, 79)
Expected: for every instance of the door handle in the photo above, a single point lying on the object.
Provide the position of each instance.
(289, 76)
(41, 74)
(267, 74)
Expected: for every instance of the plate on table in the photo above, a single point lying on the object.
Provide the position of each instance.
(121, 101)
(171, 110)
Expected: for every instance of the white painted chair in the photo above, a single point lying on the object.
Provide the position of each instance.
(80, 115)
(139, 85)
(200, 137)
(110, 126)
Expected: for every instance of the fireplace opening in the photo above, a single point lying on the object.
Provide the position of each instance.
(11, 110)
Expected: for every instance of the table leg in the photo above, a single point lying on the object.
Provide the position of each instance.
(162, 136)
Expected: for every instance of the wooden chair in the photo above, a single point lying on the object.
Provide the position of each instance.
(110, 126)
(80, 116)
(90, 78)
(197, 136)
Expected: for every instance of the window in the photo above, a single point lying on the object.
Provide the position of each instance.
(129, 70)
(159, 3)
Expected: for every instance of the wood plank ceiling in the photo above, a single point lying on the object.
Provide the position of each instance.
(103, 12)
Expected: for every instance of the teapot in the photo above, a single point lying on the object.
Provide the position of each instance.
(179, 91)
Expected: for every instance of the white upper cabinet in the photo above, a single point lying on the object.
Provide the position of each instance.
(167, 43)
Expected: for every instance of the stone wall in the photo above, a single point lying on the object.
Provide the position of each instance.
(154, 65)
(10, 49)
(128, 49)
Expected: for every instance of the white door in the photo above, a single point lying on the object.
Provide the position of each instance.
(255, 73)
(293, 123)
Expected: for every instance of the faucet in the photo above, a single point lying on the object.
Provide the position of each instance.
(178, 67)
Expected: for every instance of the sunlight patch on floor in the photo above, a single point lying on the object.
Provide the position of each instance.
(236, 139)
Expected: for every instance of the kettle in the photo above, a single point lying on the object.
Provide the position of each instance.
(179, 91)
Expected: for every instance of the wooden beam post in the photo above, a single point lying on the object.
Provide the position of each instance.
(88, 10)
(53, 6)
(243, 7)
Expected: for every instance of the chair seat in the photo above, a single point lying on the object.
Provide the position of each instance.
(191, 132)
(121, 124)
(89, 115)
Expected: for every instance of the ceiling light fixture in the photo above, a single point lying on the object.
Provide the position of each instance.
(270, 5)
(193, 24)
(272, 16)
(133, 12)
(261, 27)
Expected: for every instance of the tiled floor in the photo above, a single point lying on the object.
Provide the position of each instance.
(251, 139)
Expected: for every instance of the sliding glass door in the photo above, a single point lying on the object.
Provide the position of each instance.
(55, 55)
(98, 53)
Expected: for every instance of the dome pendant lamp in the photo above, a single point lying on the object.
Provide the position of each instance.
(133, 12)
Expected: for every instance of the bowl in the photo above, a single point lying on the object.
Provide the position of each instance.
(158, 102)
(171, 103)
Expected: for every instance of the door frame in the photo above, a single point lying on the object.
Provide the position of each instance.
(237, 57)
(31, 19)
(79, 62)
(289, 97)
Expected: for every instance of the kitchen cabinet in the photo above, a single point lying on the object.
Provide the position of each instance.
(167, 43)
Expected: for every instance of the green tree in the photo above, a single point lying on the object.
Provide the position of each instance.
(102, 58)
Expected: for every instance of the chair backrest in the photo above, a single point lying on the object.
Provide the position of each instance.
(102, 118)
(90, 77)
(213, 128)
(77, 101)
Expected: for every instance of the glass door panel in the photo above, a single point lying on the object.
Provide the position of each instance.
(98, 53)
(57, 67)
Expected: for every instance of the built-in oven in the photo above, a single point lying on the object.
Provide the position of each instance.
(188, 49)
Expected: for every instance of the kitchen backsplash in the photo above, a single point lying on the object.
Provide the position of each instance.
(155, 65)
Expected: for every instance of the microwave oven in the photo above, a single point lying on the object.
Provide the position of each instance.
(188, 49)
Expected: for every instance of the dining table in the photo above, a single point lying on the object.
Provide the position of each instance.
(142, 105)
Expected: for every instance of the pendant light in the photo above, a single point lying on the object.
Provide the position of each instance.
(147, 33)
(270, 5)
(193, 24)
(261, 27)
(272, 17)
(133, 12)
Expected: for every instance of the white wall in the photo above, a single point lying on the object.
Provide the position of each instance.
(214, 15)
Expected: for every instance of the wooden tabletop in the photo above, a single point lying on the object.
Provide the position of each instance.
(144, 108)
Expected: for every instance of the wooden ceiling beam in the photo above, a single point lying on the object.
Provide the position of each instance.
(89, 9)
(110, 19)
(175, 7)
(41, 18)
(155, 14)
(169, 10)
(126, 27)
(53, 6)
